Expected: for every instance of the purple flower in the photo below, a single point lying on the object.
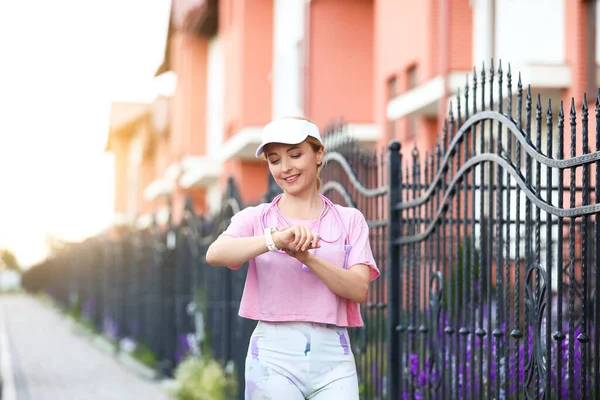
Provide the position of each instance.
(422, 379)
(414, 363)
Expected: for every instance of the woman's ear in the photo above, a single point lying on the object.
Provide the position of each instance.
(320, 155)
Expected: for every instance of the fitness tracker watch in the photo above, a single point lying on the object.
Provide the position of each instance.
(269, 239)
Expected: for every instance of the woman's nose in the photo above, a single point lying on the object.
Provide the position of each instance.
(286, 165)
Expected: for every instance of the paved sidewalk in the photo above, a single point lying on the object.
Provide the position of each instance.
(51, 361)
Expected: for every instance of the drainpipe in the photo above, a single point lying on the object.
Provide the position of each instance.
(444, 60)
(591, 66)
(306, 59)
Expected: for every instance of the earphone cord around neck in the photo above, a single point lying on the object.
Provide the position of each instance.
(328, 205)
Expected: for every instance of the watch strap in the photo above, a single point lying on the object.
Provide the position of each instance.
(269, 239)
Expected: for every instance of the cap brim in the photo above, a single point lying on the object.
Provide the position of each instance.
(297, 140)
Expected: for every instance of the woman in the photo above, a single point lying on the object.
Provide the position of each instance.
(310, 265)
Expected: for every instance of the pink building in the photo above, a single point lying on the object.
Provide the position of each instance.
(388, 67)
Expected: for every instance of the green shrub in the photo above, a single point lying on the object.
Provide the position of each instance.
(143, 354)
(75, 309)
(458, 281)
(201, 378)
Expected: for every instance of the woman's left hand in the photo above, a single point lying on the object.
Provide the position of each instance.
(297, 254)
(304, 239)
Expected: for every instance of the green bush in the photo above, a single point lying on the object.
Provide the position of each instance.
(458, 280)
(372, 369)
(75, 309)
(201, 378)
(145, 355)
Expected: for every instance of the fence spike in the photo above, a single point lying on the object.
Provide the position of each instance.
(509, 89)
(483, 87)
(538, 121)
(561, 136)
(500, 81)
(432, 160)
(584, 130)
(492, 84)
(549, 137)
(415, 166)
(474, 92)
(528, 106)
(466, 96)
(415, 152)
(189, 205)
(519, 101)
(445, 135)
(451, 124)
(458, 110)
(573, 124)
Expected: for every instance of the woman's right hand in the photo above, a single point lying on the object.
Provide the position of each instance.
(296, 238)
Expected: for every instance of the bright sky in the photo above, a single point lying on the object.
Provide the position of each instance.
(61, 64)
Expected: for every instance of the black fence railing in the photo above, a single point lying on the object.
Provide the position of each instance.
(486, 245)
(492, 248)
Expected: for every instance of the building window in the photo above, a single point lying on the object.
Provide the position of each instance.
(411, 83)
(411, 75)
(392, 87)
(412, 125)
(391, 93)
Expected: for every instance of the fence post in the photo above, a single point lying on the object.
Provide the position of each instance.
(394, 174)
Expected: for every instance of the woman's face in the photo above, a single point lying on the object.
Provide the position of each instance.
(293, 166)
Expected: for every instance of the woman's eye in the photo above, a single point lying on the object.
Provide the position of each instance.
(273, 161)
(295, 155)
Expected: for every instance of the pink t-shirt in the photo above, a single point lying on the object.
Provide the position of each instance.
(278, 289)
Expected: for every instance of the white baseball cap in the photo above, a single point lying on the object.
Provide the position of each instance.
(287, 131)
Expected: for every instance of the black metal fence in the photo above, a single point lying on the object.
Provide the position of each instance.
(493, 255)
(486, 245)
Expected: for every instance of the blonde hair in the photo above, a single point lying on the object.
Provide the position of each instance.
(316, 146)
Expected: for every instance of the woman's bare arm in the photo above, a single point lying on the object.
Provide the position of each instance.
(228, 251)
(351, 284)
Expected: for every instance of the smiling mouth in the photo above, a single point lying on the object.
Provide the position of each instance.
(291, 179)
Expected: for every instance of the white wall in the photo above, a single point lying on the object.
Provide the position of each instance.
(215, 91)
(483, 35)
(214, 112)
(526, 31)
(530, 31)
(289, 19)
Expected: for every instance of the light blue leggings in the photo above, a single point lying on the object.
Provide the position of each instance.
(298, 361)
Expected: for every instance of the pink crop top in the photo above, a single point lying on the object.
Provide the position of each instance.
(279, 288)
